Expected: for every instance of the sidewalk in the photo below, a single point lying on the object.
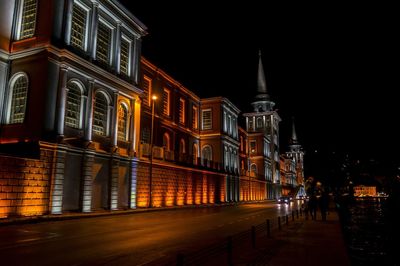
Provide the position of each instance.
(80, 215)
(301, 242)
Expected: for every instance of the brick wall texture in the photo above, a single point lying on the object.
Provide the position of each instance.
(25, 185)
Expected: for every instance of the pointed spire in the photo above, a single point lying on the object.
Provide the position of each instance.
(294, 136)
(261, 83)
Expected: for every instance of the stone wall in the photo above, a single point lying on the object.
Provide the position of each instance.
(25, 185)
(178, 186)
(257, 189)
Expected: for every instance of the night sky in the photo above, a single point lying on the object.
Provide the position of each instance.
(330, 66)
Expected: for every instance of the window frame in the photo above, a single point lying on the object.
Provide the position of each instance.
(129, 56)
(82, 101)
(202, 119)
(108, 112)
(167, 106)
(127, 125)
(86, 39)
(19, 14)
(10, 90)
(111, 47)
(182, 115)
(195, 117)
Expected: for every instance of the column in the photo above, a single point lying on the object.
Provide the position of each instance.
(117, 50)
(68, 22)
(114, 167)
(61, 100)
(136, 126)
(133, 176)
(3, 82)
(89, 112)
(93, 30)
(132, 128)
(114, 121)
(136, 60)
(57, 186)
(87, 182)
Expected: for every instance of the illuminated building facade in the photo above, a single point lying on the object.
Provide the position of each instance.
(76, 112)
(187, 167)
(69, 106)
(296, 155)
(262, 126)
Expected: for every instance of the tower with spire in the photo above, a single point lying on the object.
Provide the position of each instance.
(296, 153)
(262, 126)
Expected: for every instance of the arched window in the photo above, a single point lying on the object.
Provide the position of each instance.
(166, 141)
(206, 153)
(182, 148)
(253, 170)
(27, 19)
(122, 122)
(73, 105)
(17, 98)
(100, 114)
(195, 154)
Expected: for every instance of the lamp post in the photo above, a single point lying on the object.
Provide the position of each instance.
(153, 99)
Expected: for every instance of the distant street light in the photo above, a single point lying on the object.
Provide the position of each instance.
(153, 99)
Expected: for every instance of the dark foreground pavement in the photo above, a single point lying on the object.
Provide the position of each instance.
(300, 242)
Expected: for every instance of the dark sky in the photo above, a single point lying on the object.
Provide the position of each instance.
(331, 66)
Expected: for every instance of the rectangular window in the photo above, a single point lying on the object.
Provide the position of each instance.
(166, 102)
(79, 27)
(181, 111)
(207, 119)
(28, 19)
(195, 121)
(125, 57)
(103, 43)
(147, 89)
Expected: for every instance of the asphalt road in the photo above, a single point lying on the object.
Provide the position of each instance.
(134, 239)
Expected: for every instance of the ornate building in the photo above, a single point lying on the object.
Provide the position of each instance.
(87, 123)
(69, 106)
(296, 155)
(262, 126)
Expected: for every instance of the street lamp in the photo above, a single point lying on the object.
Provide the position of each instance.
(153, 99)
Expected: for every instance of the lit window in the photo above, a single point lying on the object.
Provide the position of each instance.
(28, 19)
(195, 114)
(207, 119)
(166, 102)
(18, 99)
(100, 111)
(79, 27)
(125, 57)
(122, 122)
(181, 111)
(147, 89)
(103, 47)
(73, 105)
